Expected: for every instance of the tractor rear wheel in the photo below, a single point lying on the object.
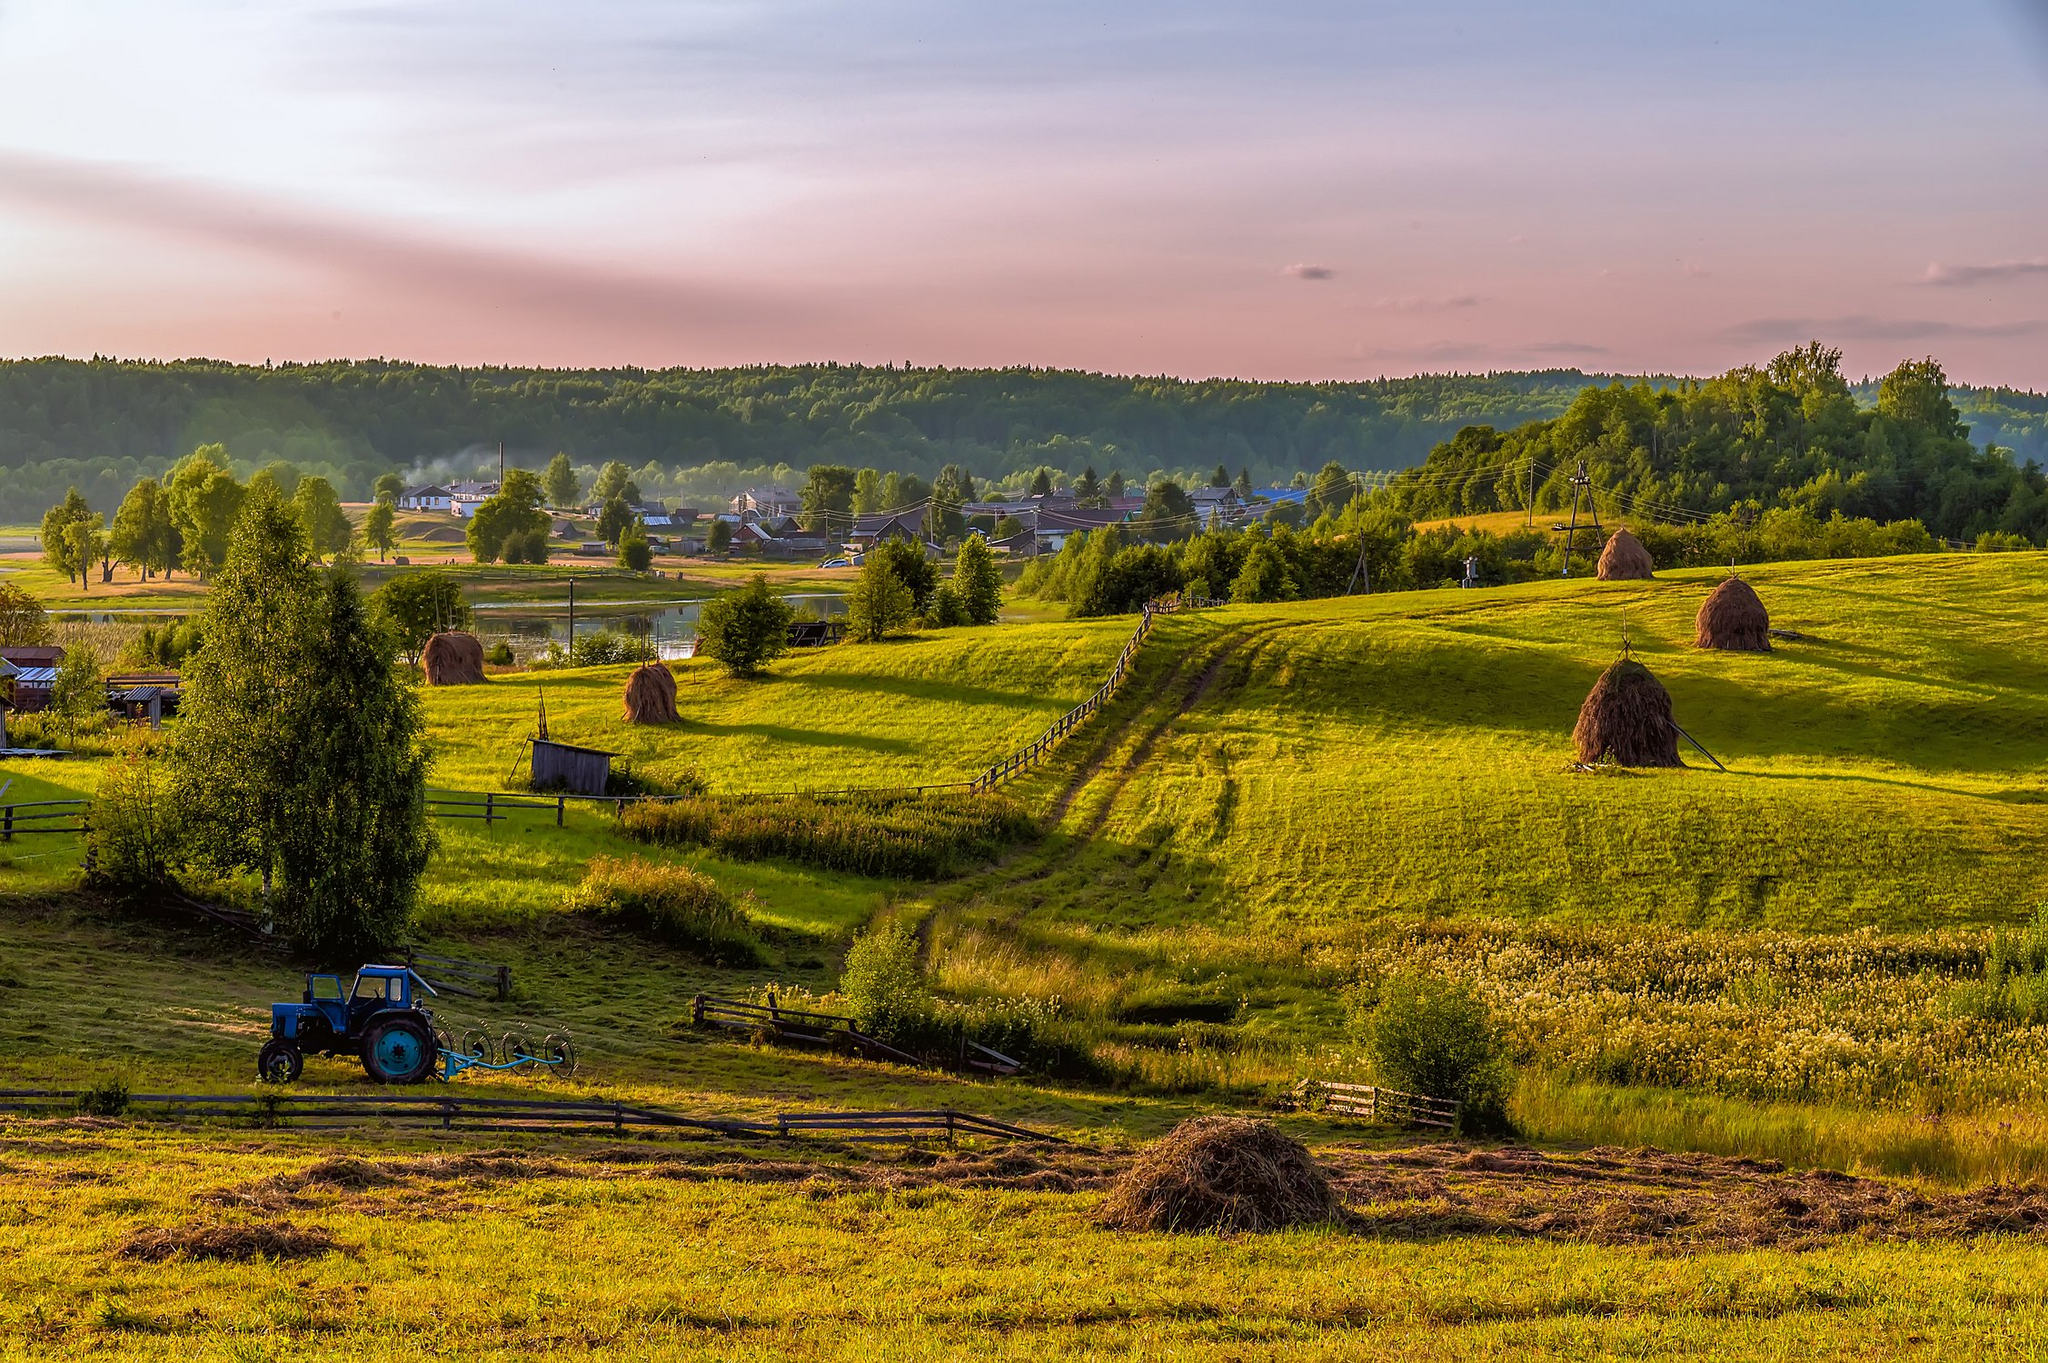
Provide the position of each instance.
(280, 1062)
(398, 1051)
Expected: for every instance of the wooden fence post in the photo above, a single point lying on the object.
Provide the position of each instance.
(504, 983)
(560, 803)
(490, 807)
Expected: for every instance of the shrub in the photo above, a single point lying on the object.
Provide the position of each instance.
(884, 986)
(1434, 1036)
(165, 645)
(672, 904)
(134, 837)
(108, 1098)
(923, 836)
(607, 646)
(499, 654)
(948, 610)
(745, 629)
(525, 546)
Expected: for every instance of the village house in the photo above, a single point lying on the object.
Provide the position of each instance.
(465, 498)
(757, 502)
(430, 497)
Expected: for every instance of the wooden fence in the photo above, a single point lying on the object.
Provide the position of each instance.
(1031, 754)
(448, 1112)
(832, 1031)
(1370, 1104)
(51, 816)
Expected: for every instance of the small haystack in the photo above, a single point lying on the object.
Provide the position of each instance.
(1221, 1173)
(1733, 617)
(453, 658)
(651, 695)
(1624, 559)
(1627, 719)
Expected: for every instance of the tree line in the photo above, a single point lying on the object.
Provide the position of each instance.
(1790, 434)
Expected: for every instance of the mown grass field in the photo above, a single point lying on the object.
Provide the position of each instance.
(1405, 754)
(1779, 961)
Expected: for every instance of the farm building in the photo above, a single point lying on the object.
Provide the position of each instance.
(564, 766)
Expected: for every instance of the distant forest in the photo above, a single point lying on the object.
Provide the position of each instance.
(101, 424)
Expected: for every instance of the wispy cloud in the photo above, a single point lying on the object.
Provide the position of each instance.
(1413, 304)
(1310, 272)
(1956, 276)
(1773, 330)
(389, 258)
(1568, 349)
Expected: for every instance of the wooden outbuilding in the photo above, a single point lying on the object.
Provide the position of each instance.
(564, 766)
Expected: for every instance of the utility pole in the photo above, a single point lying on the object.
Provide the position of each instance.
(1580, 482)
(572, 615)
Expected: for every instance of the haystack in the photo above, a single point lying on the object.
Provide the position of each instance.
(1624, 559)
(1733, 617)
(1627, 719)
(1221, 1173)
(453, 658)
(651, 695)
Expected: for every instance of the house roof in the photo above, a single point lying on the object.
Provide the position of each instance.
(33, 655)
(35, 676)
(429, 490)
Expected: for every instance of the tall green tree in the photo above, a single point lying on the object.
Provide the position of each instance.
(614, 520)
(418, 605)
(559, 483)
(299, 754)
(1220, 478)
(1167, 513)
(23, 621)
(880, 602)
(143, 536)
(635, 553)
(58, 551)
(513, 511)
(612, 481)
(827, 498)
(746, 629)
(88, 546)
(319, 510)
(978, 582)
(1114, 488)
(389, 487)
(913, 567)
(952, 489)
(78, 695)
(1087, 488)
(867, 492)
(378, 527)
(205, 501)
(718, 538)
(1332, 491)
(1041, 483)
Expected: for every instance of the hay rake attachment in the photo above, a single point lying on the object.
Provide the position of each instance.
(476, 1049)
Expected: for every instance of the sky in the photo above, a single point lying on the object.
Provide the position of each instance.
(1276, 190)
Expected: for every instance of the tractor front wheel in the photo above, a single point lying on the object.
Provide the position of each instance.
(399, 1051)
(280, 1062)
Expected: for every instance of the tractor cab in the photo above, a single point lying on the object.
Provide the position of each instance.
(379, 1019)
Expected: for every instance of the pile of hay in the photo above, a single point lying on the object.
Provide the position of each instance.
(1627, 719)
(651, 695)
(1221, 1173)
(250, 1240)
(1624, 559)
(1733, 618)
(453, 658)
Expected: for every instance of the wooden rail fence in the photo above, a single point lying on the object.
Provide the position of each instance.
(830, 1030)
(1371, 1104)
(53, 816)
(336, 1111)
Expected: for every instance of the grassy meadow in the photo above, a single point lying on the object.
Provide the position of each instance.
(1820, 956)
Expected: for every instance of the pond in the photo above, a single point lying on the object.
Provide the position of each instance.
(529, 629)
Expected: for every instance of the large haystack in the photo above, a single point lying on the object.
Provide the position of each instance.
(453, 658)
(1733, 617)
(651, 695)
(1221, 1173)
(1627, 719)
(1624, 559)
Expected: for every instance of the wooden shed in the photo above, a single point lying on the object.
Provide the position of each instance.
(564, 766)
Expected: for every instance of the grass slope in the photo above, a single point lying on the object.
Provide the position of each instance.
(1405, 754)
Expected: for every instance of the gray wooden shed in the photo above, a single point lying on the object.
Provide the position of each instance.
(564, 766)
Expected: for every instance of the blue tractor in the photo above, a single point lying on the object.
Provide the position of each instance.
(379, 1021)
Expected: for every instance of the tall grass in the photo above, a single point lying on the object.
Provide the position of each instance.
(673, 904)
(921, 837)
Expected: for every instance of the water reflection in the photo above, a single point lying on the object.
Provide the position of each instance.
(529, 630)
